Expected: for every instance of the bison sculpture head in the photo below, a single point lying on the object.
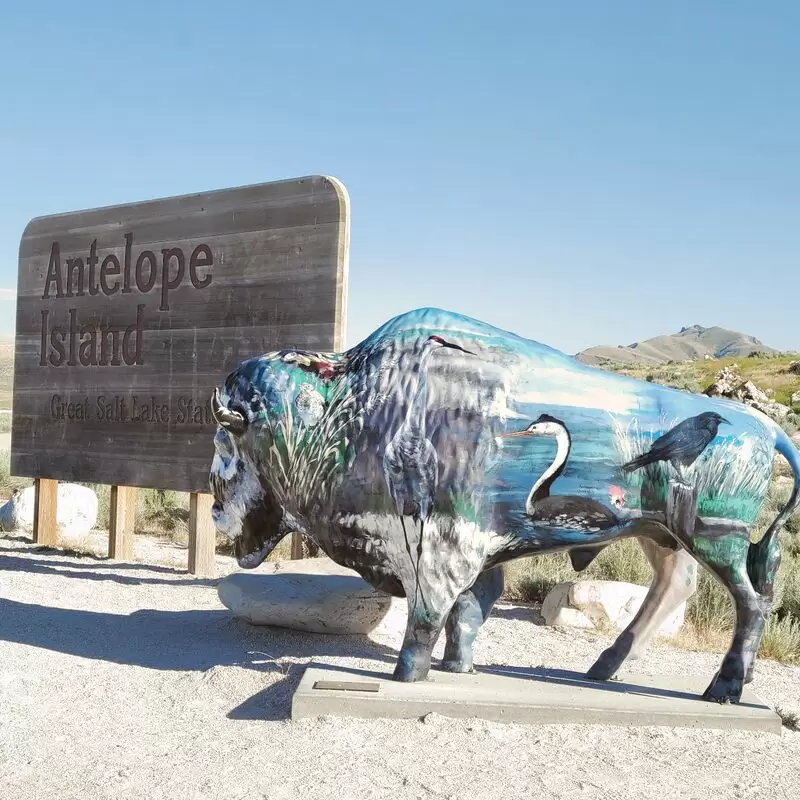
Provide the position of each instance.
(274, 448)
(246, 508)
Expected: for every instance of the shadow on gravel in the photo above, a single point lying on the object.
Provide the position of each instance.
(527, 613)
(70, 569)
(274, 702)
(172, 640)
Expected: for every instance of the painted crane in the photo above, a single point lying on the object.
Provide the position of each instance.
(410, 463)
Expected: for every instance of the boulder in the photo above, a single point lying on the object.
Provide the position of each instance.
(725, 382)
(77, 511)
(599, 604)
(776, 411)
(795, 399)
(557, 611)
(750, 391)
(311, 594)
(728, 383)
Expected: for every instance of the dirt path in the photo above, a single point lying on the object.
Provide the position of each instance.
(133, 681)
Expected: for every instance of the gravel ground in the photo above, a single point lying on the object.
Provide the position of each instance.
(131, 680)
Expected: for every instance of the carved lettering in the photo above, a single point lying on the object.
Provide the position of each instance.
(57, 343)
(91, 263)
(167, 284)
(126, 286)
(75, 268)
(104, 343)
(141, 285)
(133, 409)
(61, 409)
(201, 257)
(88, 350)
(110, 266)
(137, 329)
(54, 272)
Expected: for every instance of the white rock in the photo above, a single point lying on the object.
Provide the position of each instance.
(312, 594)
(601, 603)
(76, 515)
(751, 391)
(556, 609)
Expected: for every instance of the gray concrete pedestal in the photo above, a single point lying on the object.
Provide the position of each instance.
(535, 696)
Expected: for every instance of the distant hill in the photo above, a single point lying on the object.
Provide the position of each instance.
(689, 344)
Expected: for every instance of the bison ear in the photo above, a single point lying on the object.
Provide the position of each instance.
(231, 421)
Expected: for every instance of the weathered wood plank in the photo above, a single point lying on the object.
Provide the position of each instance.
(122, 522)
(202, 536)
(45, 512)
(222, 276)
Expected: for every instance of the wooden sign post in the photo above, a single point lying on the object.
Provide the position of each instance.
(129, 316)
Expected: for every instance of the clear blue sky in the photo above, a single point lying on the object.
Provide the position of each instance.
(578, 173)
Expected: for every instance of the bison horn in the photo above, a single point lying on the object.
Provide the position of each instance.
(232, 421)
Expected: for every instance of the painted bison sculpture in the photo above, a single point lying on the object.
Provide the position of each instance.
(441, 447)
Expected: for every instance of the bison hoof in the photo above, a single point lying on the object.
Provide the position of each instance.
(407, 675)
(409, 670)
(451, 665)
(724, 690)
(605, 667)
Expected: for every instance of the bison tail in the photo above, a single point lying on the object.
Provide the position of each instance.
(764, 555)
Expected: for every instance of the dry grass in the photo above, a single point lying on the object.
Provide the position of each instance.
(530, 579)
(790, 719)
(8, 483)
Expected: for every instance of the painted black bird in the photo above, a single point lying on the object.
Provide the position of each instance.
(682, 444)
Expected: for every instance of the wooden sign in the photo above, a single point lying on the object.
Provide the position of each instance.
(129, 316)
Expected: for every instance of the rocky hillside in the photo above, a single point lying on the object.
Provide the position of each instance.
(770, 383)
(692, 343)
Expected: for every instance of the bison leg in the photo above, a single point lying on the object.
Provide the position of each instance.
(450, 562)
(726, 557)
(674, 582)
(471, 610)
(414, 661)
